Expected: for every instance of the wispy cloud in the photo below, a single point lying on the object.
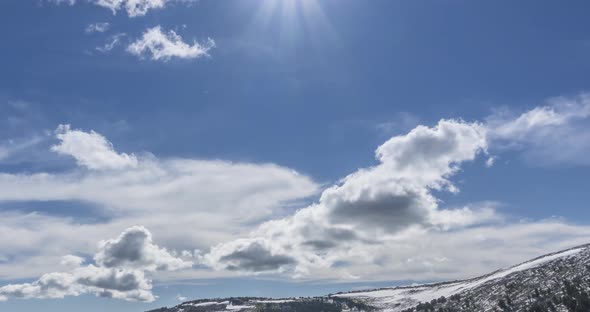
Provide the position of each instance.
(111, 43)
(552, 134)
(60, 2)
(97, 27)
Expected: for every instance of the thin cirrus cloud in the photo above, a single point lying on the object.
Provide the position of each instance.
(64, 2)
(160, 45)
(97, 27)
(553, 134)
(377, 222)
(111, 43)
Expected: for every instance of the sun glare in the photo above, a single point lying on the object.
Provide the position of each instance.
(293, 14)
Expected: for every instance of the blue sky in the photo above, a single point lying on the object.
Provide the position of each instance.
(223, 123)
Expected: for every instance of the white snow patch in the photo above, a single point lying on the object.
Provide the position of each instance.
(202, 304)
(399, 298)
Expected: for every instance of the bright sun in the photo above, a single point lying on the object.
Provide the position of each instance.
(291, 12)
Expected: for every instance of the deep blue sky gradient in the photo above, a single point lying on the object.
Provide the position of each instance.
(314, 94)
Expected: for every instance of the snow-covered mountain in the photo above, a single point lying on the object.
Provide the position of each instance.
(555, 282)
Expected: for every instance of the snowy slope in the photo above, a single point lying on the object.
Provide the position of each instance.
(400, 298)
(555, 282)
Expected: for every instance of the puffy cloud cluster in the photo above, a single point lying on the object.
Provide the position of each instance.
(134, 249)
(368, 207)
(160, 45)
(120, 271)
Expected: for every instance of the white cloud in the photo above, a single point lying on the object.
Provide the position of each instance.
(490, 161)
(380, 222)
(159, 45)
(133, 7)
(384, 221)
(123, 278)
(548, 135)
(97, 27)
(12, 148)
(72, 261)
(368, 206)
(134, 249)
(91, 149)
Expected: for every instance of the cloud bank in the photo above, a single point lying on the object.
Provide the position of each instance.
(216, 200)
(382, 222)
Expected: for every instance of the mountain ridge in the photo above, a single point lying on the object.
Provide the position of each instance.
(557, 281)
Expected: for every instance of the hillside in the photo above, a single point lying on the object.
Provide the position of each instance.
(554, 282)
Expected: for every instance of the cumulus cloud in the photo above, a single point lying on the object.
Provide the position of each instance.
(160, 45)
(130, 285)
(555, 133)
(134, 248)
(97, 27)
(368, 206)
(251, 255)
(118, 273)
(91, 149)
